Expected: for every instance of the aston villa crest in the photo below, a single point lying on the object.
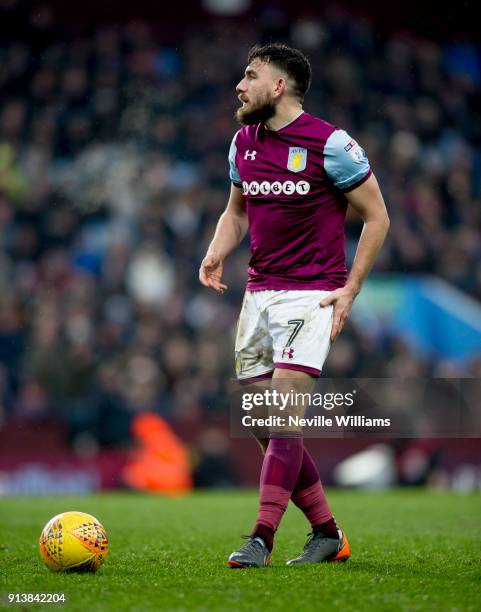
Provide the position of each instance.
(297, 160)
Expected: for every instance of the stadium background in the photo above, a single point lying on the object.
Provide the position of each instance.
(114, 131)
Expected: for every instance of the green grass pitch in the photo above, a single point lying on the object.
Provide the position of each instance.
(411, 550)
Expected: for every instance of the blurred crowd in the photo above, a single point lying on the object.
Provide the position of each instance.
(113, 172)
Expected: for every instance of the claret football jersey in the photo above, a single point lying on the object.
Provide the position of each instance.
(294, 180)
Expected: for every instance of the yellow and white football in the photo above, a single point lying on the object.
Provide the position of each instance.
(73, 541)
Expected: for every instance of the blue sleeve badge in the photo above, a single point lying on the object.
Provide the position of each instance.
(345, 161)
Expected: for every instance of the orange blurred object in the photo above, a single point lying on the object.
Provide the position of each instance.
(160, 464)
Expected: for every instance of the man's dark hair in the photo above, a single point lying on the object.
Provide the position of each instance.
(292, 61)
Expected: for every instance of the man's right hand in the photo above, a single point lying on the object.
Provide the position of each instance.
(210, 272)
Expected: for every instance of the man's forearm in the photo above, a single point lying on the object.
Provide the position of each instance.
(370, 243)
(229, 233)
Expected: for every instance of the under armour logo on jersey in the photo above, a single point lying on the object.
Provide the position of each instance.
(288, 353)
(250, 155)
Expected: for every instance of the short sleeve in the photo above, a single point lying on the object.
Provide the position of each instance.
(233, 171)
(345, 161)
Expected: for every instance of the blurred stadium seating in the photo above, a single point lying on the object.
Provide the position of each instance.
(113, 171)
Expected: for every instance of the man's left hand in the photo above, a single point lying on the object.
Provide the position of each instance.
(342, 300)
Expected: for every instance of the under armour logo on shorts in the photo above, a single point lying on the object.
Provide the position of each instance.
(288, 353)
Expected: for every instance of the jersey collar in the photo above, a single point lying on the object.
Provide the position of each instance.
(286, 125)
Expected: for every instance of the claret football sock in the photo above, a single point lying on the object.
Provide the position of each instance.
(279, 474)
(309, 496)
(329, 529)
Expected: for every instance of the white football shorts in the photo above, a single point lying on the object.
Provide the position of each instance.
(282, 329)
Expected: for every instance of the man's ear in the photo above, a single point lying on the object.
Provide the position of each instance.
(281, 87)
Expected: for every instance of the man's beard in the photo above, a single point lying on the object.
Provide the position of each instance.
(264, 110)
